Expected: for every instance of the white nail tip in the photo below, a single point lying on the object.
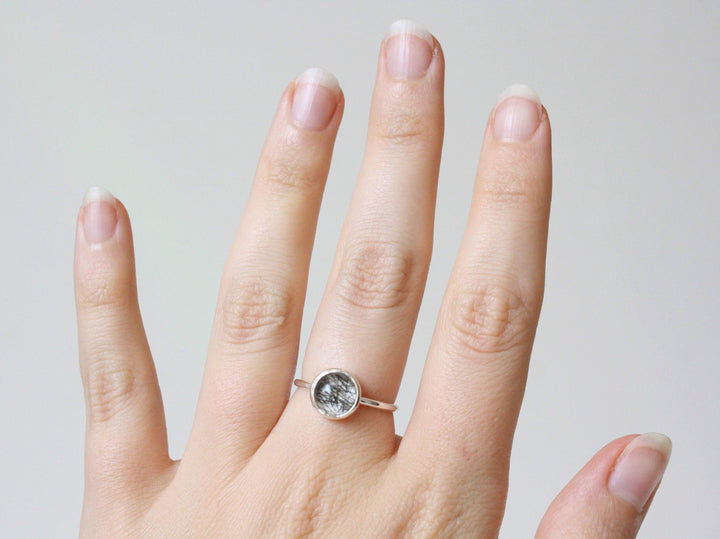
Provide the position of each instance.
(405, 26)
(319, 76)
(97, 194)
(654, 440)
(519, 90)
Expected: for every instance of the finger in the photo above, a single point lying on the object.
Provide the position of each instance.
(475, 373)
(126, 440)
(367, 315)
(611, 495)
(253, 348)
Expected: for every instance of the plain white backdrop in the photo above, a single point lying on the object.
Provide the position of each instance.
(167, 104)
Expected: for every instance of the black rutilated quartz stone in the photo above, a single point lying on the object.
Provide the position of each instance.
(335, 394)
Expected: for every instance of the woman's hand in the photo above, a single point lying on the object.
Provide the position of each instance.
(258, 464)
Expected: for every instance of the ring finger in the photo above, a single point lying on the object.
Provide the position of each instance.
(367, 315)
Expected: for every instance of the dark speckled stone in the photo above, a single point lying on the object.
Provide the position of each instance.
(335, 394)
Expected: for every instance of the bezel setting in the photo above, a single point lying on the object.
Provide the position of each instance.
(327, 410)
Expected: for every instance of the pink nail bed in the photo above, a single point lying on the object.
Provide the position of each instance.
(99, 215)
(517, 114)
(315, 99)
(408, 50)
(640, 468)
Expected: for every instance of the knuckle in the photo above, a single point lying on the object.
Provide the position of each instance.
(431, 510)
(287, 171)
(515, 185)
(489, 318)
(376, 275)
(403, 127)
(506, 196)
(103, 290)
(109, 385)
(305, 514)
(306, 519)
(255, 309)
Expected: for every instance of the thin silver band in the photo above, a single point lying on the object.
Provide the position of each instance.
(363, 400)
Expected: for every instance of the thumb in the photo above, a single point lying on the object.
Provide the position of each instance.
(610, 496)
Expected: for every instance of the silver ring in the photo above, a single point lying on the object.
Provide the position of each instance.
(336, 394)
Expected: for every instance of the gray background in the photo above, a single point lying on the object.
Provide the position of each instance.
(167, 105)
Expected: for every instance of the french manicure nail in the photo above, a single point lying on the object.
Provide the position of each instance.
(640, 468)
(99, 215)
(517, 114)
(316, 97)
(408, 50)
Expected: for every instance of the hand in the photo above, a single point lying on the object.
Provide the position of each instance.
(259, 464)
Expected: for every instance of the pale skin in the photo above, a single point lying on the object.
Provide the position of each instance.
(262, 463)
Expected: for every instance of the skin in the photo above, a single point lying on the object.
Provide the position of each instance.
(258, 463)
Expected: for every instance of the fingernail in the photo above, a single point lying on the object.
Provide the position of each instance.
(316, 97)
(99, 215)
(640, 468)
(408, 50)
(517, 114)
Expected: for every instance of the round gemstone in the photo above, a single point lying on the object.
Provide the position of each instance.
(336, 394)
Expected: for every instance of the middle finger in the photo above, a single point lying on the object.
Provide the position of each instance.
(368, 313)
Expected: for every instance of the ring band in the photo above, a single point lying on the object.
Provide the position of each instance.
(336, 394)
